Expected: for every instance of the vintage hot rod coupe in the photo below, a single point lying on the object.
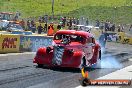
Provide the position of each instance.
(70, 48)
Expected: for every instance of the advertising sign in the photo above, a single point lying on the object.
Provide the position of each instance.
(32, 43)
(9, 43)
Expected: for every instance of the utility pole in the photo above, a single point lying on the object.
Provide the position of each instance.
(115, 14)
(53, 8)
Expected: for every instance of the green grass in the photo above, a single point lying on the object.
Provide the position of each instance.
(119, 15)
(93, 9)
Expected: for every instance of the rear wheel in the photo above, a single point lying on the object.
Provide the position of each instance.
(98, 63)
(100, 55)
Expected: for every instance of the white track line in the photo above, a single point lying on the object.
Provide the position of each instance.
(130, 59)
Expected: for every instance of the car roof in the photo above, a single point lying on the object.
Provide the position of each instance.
(14, 24)
(6, 13)
(89, 26)
(80, 25)
(74, 32)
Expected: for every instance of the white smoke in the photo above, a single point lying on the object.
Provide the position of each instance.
(110, 62)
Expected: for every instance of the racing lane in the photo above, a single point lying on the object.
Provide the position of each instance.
(18, 71)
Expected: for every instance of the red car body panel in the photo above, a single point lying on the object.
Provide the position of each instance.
(73, 52)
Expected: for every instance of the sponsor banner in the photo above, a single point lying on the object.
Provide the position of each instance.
(32, 43)
(9, 43)
(89, 82)
(130, 41)
(121, 36)
(127, 40)
(86, 81)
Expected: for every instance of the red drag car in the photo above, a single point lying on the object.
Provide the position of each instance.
(70, 48)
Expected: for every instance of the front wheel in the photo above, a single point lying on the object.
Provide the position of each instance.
(40, 65)
(83, 63)
(98, 65)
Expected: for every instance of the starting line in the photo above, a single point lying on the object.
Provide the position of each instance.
(125, 73)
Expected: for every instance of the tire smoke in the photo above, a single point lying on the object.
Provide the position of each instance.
(110, 62)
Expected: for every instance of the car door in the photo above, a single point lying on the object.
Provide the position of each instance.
(89, 50)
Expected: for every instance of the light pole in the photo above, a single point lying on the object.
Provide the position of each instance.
(53, 8)
(115, 8)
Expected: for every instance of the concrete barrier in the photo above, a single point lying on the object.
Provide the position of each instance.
(130, 41)
(17, 32)
(28, 33)
(127, 40)
(121, 36)
(32, 43)
(22, 32)
(21, 43)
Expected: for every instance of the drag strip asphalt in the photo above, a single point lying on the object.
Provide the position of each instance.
(18, 71)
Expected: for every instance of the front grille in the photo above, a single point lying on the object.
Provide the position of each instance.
(58, 53)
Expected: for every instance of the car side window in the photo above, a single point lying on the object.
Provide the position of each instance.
(90, 40)
(79, 39)
(58, 37)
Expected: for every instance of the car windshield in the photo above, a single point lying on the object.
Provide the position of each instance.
(15, 26)
(73, 38)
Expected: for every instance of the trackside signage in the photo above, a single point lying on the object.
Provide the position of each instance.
(32, 43)
(85, 81)
(9, 43)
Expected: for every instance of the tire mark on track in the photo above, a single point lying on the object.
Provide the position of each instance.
(46, 73)
(52, 83)
(39, 74)
(14, 68)
(37, 80)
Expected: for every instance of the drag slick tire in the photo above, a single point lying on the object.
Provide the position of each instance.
(83, 62)
(98, 63)
(40, 65)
